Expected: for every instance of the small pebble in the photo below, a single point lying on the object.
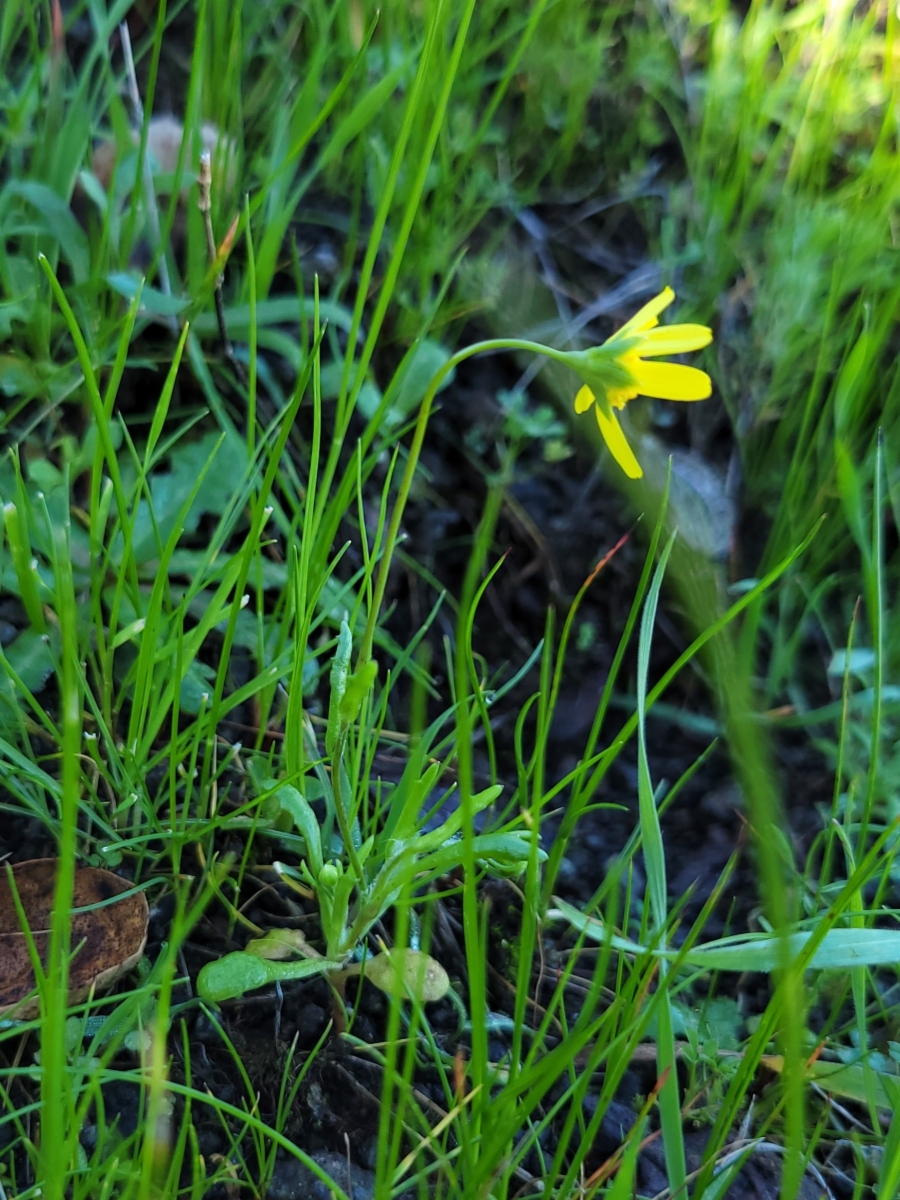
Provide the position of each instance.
(292, 1180)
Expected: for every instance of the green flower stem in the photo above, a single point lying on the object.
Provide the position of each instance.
(365, 650)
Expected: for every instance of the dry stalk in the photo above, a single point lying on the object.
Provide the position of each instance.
(204, 203)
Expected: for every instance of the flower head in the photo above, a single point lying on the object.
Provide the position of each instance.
(616, 372)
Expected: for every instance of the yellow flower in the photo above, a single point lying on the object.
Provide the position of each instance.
(616, 372)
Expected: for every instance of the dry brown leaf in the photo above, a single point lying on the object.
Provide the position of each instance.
(111, 938)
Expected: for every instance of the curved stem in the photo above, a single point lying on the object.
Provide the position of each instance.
(365, 650)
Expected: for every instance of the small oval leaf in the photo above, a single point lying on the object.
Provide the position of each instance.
(232, 976)
(404, 972)
(278, 944)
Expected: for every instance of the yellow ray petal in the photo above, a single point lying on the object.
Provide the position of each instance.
(674, 339)
(618, 446)
(584, 399)
(648, 316)
(671, 381)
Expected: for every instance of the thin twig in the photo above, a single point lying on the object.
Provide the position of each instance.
(165, 282)
(204, 203)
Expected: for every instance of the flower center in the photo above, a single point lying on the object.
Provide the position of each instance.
(619, 397)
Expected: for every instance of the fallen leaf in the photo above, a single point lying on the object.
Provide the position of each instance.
(111, 938)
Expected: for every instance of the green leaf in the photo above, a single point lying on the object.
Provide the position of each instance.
(30, 657)
(238, 973)
(277, 945)
(401, 972)
(369, 396)
(850, 488)
(196, 687)
(22, 275)
(231, 976)
(426, 360)
(52, 214)
(263, 572)
(857, 1083)
(407, 801)
(335, 910)
(359, 684)
(500, 850)
(294, 804)
(848, 388)
(280, 310)
(838, 950)
(152, 300)
(340, 668)
(17, 375)
(170, 489)
(453, 825)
